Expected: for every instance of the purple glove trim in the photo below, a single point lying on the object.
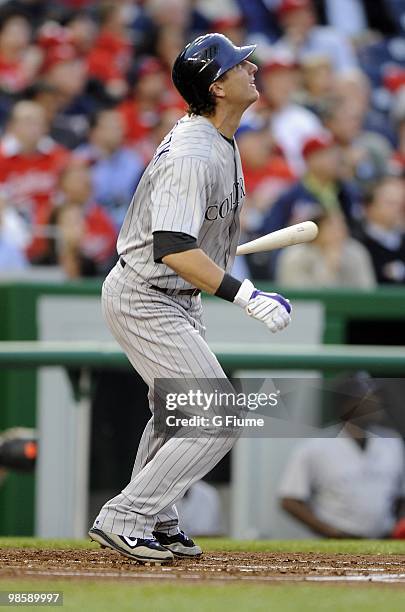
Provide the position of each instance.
(273, 296)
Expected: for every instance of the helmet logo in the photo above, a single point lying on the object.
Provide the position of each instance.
(210, 53)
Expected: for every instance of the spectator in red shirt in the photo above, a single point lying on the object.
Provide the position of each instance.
(165, 122)
(267, 175)
(30, 163)
(115, 169)
(82, 31)
(78, 29)
(86, 237)
(266, 172)
(19, 60)
(112, 54)
(152, 93)
(62, 93)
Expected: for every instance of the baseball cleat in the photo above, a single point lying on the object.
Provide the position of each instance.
(146, 551)
(180, 544)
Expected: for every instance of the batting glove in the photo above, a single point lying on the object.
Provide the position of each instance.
(270, 308)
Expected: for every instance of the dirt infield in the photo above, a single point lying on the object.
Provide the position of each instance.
(218, 566)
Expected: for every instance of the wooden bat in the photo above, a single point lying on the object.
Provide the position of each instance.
(295, 234)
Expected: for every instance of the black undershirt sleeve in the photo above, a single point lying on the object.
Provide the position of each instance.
(166, 243)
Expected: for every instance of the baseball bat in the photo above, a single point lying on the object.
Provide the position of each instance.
(295, 234)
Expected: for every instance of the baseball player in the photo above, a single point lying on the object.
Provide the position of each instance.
(179, 237)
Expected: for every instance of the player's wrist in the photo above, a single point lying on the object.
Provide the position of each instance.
(229, 288)
(244, 294)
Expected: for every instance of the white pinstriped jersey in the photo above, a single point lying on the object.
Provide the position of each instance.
(194, 184)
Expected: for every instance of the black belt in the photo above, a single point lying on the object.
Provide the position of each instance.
(192, 292)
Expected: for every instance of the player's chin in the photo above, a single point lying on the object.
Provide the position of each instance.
(253, 94)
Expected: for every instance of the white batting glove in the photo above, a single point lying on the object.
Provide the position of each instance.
(270, 308)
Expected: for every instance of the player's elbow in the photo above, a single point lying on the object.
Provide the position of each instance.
(173, 259)
(290, 504)
(168, 259)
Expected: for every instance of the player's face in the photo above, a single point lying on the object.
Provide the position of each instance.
(239, 86)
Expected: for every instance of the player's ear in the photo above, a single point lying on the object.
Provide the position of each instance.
(217, 89)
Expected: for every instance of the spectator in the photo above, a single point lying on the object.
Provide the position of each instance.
(65, 75)
(60, 128)
(175, 13)
(150, 96)
(169, 41)
(317, 81)
(232, 26)
(352, 486)
(265, 170)
(86, 238)
(171, 16)
(354, 17)
(365, 155)
(19, 60)
(13, 238)
(348, 17)
(321, 187)
(290, 123)
(115, 169)
(303, 36)
(81, 31)
(267, 175)
(36, 11)
(383, 229)
(30, 163)
(398, 117)
(333, 259)
(354, 89)
(166, 120)
(260, 19)
(112, 53)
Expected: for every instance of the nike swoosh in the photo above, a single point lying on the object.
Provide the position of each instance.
(130, 541)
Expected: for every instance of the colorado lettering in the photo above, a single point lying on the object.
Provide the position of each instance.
(222, 210)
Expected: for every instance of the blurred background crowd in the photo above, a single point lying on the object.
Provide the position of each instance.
(86, 96)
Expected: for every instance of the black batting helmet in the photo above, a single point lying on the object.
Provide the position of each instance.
(202, 62)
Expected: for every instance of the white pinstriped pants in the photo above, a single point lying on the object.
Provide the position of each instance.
(163, 337)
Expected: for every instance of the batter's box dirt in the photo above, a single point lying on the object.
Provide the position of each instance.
(218, 566)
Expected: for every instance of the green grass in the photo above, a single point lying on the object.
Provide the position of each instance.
(91, 596)
(355, 547)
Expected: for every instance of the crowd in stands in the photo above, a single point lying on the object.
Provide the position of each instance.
(86, 97)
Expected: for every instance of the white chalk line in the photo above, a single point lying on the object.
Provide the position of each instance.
(391, 578)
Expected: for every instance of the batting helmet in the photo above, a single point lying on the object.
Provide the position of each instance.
(202, 62)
